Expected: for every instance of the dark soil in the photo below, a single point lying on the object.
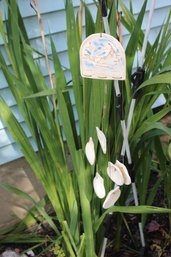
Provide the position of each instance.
(157, 238)
(156, 232)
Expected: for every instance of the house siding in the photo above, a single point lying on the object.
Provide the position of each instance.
(53, 16)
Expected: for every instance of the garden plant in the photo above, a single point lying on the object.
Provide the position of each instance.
(90, 137)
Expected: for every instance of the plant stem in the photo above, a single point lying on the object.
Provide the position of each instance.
(45, 52)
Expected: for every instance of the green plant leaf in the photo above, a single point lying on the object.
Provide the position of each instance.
(132, 209)
(29, 198)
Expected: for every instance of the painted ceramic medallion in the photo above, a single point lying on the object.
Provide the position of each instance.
(102, 57)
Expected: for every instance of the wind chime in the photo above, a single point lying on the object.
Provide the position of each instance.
(102, 57)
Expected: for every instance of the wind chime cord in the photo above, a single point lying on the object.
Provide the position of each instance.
(118, 19)
(101, 18)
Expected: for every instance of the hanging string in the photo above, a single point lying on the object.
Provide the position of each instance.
(101, 17)
(119, 15)
(119, 37)
(118, 19)
(115, 143)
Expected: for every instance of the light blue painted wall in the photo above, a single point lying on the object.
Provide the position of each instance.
(53, 15)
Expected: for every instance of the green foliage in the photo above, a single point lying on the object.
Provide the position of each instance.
(58, 251)
(69, 187)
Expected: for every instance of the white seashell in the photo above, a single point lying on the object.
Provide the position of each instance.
(115, 174)
(98, 184)
(125, 174)
(102, 139)
(112, 197)
(89, 151)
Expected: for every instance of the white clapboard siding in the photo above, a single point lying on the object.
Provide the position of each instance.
(53, 16)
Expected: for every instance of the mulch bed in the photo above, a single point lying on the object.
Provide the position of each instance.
(156, 232)
(157, 237)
